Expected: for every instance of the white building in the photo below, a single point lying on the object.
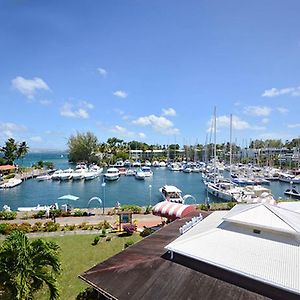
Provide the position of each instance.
(258, 241)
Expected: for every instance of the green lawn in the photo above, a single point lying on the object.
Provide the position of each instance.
(77, 256)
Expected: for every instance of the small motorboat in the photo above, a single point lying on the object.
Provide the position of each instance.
(112, 174)
(43, 177)
(140, 175)
(293, 192)
(12, 182)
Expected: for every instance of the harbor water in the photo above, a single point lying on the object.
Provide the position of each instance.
(126, 190)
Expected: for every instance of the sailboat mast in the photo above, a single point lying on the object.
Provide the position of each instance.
(230, 146)
(215, 144)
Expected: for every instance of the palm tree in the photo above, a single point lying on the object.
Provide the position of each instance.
(22, 150)
(26, 265)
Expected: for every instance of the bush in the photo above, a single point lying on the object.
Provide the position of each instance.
(65, 214)
(9, 176)
(148, 210)
(106, 224)
(8, 215)
(51, 226)
(88, 294)
(83, 226)
(147, 231)
(132, 208)
(26, 216)
(6, 228)
(230, 205)
(3, 227)
(96, 240)
(24, 227)
(103, 232)
(85, 214)
(55, 213)
(129, 229)
(78, 213)
(202, 206)
(128, 243)
(37, 226)
(108, 238)
(40, 214)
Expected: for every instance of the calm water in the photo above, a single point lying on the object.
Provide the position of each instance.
(127, 190)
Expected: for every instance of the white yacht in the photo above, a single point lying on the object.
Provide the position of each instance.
(56, 175)
(162, 164)
(43, 177)
(90, 175)
(79, 174)
(140, 174)
(171, 193)
(112, 174)
(155, 164)
(66, 174)
(223, 190)
(147, 170)
(12, 182)
(175, 167)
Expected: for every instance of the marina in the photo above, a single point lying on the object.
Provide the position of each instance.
(126, 190)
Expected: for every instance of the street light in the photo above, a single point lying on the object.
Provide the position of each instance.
(103, 187)
(150, 188)
(291, 187)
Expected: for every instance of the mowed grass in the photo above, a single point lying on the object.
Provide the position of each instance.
(77, 256)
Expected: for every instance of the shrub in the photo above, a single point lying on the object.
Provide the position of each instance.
(72, 227)
(65, 214)
(25, 216)
(129, 229)
(103, 232)
(128, 243)
(24, 227)
(37, 226)
(148, 210)
(106, 224)
(40, 214)
(9, 176)
(8, 215)
(83, 226)
(85, 214)
(3, 227)
(108, 238)
(202, 206)
(96, 240)
(230, 205)
(132, 208)
(51, 226)
(87, 294)
(55, 213)
(147, 231)
(78, 213)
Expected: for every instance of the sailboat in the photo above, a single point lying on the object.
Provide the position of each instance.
(221, 189)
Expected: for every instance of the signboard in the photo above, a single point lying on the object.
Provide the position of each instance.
(125, 217)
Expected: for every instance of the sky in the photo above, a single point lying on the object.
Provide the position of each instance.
(151, 71)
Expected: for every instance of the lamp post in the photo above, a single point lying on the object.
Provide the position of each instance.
(150, 189)
(291, 187)
(103, 187)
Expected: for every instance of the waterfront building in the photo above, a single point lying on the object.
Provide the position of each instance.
(250, 252)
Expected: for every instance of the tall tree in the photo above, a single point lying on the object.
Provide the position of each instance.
(83, 147)
(26, 265)
(22, 150)
(10, 151)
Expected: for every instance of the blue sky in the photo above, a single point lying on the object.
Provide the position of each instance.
(148, 70)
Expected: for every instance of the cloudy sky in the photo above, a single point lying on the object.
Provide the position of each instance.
(149, 70)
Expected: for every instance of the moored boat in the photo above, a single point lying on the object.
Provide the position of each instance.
(171, 193)
(12, 182)
(112, 174)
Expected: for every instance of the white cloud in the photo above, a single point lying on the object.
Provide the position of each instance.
(45, 102)
(76, 111)
(258, 110)
(9, 130)
(158, 123)
(265, 120)
(296, 125)
(237, 123)
(36, 139)
(274, 92)
(28, 87)
(169, 112)
(120, 94)
(102, 72)
(122, 131)
(142, 135)
(282, 110)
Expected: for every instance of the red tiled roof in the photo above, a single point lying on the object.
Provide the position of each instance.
(7, 168)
